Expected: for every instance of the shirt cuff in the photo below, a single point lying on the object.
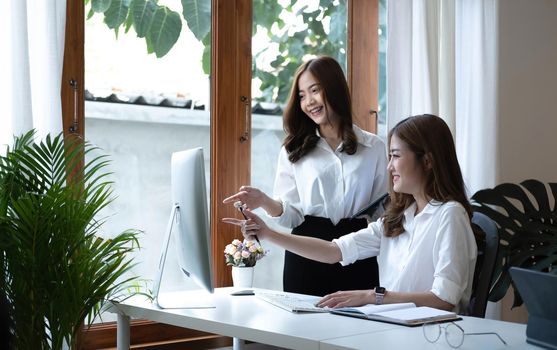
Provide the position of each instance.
(344, 244)
(283, 219)
(447, 290)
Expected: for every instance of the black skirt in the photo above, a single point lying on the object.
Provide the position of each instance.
(306, 276)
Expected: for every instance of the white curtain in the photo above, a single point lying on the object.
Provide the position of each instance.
(32, 38)
(441, 59)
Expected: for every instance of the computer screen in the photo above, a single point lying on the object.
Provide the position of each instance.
(188, 223)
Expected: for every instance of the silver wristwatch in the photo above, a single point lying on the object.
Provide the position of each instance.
(379, 294)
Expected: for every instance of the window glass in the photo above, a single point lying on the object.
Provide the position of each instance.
(141, 108)
(382, 32)
(285, 35)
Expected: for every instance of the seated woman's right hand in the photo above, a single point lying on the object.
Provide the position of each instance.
(251, 227)
(346, 298)
(251, 197)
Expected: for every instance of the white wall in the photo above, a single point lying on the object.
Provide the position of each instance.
(527, 98)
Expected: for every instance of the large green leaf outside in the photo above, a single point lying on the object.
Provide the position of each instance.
(100, 5)
(197, 14)
(142, 14)
(165, 30)
(116, 13)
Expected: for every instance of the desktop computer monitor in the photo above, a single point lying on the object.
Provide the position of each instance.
(189, 226)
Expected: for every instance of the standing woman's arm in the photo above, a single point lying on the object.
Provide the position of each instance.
(308, 247)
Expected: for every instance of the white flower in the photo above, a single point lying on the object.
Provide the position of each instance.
(230, 249)
(244, 253)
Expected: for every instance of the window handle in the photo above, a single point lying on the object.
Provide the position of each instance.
(246, 103)
(73, 85)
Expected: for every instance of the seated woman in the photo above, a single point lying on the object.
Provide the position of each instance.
(424, 242)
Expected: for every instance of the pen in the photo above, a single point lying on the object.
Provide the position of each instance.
(240, 207)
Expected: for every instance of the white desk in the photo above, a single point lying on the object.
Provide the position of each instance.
(412, 338)
(250, 318)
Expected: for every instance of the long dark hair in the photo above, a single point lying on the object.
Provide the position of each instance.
(427, 135)
(300, 130)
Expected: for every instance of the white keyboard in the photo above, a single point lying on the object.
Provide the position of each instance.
(291, 302)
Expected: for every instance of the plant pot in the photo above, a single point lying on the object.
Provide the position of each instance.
(242, 276)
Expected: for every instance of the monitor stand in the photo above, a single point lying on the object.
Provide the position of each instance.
(183, 299)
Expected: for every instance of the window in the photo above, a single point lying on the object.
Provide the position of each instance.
(230, 88)
(139, 109)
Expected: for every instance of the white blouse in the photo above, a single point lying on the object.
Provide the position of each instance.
(329, 183)
(436, 252)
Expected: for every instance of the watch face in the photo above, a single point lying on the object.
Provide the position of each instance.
(379, 290)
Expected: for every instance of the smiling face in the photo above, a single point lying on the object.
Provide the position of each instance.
(406, 170)
(312, 99)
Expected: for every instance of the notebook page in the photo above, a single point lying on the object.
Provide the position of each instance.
(416, 313)
(370, 309)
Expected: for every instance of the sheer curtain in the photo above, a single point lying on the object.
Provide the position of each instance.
(441, 59)
(32, 38)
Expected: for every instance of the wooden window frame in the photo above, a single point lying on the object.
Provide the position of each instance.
(230, 118)
(363, 75)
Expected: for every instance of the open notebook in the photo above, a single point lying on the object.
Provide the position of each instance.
(406, 314)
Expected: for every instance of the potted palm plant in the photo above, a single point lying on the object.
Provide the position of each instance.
(56, 271)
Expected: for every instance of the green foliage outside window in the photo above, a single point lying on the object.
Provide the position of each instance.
(324, 33)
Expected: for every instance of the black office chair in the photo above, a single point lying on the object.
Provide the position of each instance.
(488, 246)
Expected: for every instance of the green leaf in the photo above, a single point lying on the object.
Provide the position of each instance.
(116, 13)
(128, 23)
(164, 31)
(100, 5)
(90, 13)
(206, 59)
(197, 14)
(266, 13)
(338, 30)
(142, 14)
(526, 225)
(150, 48)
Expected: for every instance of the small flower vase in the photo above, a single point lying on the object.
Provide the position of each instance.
(242, 276)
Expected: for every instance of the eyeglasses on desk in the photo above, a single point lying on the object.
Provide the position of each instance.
(454, 334)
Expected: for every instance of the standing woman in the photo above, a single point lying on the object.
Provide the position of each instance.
(328, 170)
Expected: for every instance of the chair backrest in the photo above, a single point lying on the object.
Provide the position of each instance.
(488, 246)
